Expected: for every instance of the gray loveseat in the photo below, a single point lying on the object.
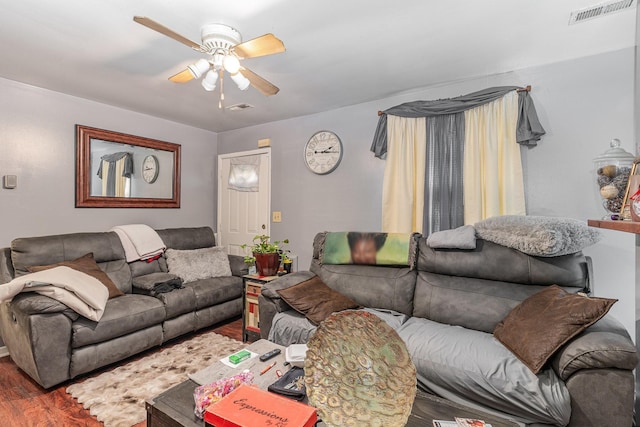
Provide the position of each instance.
(52, 343)
(446, 309)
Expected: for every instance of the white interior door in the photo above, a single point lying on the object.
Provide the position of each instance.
(242, 215)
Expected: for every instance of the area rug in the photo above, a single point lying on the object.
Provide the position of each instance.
(117, 397)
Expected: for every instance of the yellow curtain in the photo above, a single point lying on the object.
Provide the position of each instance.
(105, 177)
(121, 180)
(403, 185)
(493, 179)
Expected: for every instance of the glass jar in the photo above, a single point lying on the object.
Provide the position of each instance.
(612, 175)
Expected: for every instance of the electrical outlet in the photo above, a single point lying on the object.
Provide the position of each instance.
(276, 216)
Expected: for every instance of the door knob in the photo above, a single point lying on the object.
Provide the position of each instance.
(264, 227)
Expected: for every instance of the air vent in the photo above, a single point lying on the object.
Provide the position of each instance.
(239, 107)
(599, 10)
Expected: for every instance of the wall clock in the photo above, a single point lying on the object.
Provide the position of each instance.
(323, 152)
(150, 169)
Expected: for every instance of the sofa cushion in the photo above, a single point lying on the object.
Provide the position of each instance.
(198, 264)
(537, 327)
(46, 250)
(123, 315)
(87, 265)
(371, 286)
(290, 327)
(473, 303)
(215, 291)
(488, 259)
(118, 271)
(141, 268)
(315, 300)
(473, 368)
(178, 301)
(187, 237)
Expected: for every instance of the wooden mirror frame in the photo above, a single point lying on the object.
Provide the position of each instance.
(84, 199)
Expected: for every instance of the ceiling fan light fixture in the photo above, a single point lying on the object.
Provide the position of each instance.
(199, 67)
(241, 81)
(231, 64)
(225, 48)
(209, 81)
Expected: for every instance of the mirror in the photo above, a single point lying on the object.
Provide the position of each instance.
(116, 170)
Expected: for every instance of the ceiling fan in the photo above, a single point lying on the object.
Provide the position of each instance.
(225, 48)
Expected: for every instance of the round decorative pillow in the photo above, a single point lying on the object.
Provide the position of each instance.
(358, 372)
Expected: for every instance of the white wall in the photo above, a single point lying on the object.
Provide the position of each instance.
(37, 143)
(582, 104)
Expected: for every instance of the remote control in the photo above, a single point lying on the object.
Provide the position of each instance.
(268, 355)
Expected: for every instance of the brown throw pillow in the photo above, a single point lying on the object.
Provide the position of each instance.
(537, 327)
(87, 265)
(316, 300)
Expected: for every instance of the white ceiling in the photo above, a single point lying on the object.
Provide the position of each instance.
(339, 52)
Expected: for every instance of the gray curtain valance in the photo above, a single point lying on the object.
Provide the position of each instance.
(529, 129)
(113, 158)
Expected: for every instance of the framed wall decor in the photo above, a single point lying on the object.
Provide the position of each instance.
(117, 170)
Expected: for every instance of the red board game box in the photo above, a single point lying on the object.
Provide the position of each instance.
(249, 406)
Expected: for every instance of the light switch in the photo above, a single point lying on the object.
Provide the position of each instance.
(10, 181)
(276, 216)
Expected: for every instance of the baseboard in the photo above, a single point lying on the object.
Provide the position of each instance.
(4, 351)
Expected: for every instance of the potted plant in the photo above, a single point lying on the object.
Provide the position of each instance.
(266, 254)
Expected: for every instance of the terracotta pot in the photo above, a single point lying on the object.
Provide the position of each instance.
(267, 264)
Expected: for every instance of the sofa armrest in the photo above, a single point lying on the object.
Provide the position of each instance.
(6, 266)
(270, 302)
(40, 344)
(601, 397)
(605, 345)
(238, 266)
(32, 303)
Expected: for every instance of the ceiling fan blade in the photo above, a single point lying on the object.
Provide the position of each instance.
(182, 77)
(150, 23)
(267, 44)
(259, 83)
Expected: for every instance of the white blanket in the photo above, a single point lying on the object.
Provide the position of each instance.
(139, 241)
(82, 293)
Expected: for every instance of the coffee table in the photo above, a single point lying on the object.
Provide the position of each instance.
(174, 407)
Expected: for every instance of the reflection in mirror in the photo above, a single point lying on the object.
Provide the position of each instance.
(120, 170)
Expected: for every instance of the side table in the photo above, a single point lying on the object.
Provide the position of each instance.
(251, 310)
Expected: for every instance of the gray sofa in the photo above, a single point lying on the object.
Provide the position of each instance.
(52, 343)
(453, 299)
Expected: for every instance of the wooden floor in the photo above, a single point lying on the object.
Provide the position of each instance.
(23, 403)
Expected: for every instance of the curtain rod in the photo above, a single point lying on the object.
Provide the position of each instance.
(527, 88)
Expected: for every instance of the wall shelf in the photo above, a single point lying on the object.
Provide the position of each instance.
(626, 226)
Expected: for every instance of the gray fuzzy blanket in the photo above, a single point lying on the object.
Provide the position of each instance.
(538, 235)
